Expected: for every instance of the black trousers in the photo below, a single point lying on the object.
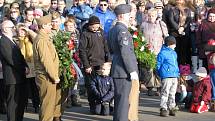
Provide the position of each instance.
(16, 96)
(122, 89)
(33, 92)
(2, 97)
(183, 50)
(88, 79)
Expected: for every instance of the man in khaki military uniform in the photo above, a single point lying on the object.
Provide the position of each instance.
(47, 72)
(55, 24)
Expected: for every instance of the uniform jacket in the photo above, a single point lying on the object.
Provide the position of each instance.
(93, 49)
(106, 18)
(167, 65)
(13, 62)
(46, 60)
(202, 91)
(121, 47)
(103, 88)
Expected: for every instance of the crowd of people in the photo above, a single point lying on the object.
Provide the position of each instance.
(180, 33)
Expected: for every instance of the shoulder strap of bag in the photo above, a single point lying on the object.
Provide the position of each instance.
(162, 30)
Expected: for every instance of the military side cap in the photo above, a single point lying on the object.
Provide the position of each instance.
(55, 15)
(122, 9)
(44, 19)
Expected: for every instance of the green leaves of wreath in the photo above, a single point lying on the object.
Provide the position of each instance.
(146, 58)
(65, 57)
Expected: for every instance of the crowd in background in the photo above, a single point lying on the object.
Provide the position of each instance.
(190, 23)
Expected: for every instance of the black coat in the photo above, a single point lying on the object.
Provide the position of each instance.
(93, 49)
(13, 62)
(173, 21)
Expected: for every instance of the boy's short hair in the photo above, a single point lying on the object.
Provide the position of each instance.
(170, 40)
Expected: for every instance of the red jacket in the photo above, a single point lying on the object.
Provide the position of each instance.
(202, 91)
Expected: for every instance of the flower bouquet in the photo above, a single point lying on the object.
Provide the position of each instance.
(63, 46)
(145, 57)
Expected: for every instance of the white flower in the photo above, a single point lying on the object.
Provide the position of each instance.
(133, 28)
(134, 36)
(143, 39)
(142, 48)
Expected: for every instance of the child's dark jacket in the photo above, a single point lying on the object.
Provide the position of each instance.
(102, 88)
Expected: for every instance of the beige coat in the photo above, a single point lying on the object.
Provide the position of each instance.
(46, 60)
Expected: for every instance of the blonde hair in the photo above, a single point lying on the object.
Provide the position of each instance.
(152, 11)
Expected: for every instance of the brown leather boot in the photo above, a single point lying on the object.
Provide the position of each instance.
(57, 119)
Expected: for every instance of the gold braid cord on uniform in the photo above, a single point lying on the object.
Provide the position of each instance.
(26, 48)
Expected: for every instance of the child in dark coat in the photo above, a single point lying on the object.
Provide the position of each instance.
(201, 92)
(102, 87)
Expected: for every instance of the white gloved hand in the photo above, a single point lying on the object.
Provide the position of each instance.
(134, 75)
(202, 103)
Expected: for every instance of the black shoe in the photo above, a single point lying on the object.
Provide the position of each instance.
(76, 104)
(172, 112)
(3, 110)
(57, 119)
(36, 110)
(163, 112)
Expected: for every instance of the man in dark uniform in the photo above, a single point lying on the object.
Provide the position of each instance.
(124, 64)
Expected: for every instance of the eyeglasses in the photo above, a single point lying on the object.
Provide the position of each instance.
(11, 27)
(53, 3)
(103, 4)
(13, 11)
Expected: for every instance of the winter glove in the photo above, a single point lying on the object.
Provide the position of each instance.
(134, 75)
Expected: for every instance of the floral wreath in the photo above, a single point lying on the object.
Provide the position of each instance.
(64, 44)
(145, 56)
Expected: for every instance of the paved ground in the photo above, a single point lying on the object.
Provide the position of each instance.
(148, 111)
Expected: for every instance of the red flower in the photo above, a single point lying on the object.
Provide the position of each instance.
(136, 44)
(211, 42)
(73, 72)
(136, 33)
(71, 44)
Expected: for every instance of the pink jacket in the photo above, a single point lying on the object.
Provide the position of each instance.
(153, 34)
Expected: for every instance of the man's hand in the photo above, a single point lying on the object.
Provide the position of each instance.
(27, 70)
(181, 30)
(88, 70)
(134, 75)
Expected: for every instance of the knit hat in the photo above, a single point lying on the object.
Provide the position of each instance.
(184, 69)
(93, 20)
(202, 72)
(170, 40)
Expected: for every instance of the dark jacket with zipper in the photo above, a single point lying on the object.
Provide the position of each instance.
(93, 48)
